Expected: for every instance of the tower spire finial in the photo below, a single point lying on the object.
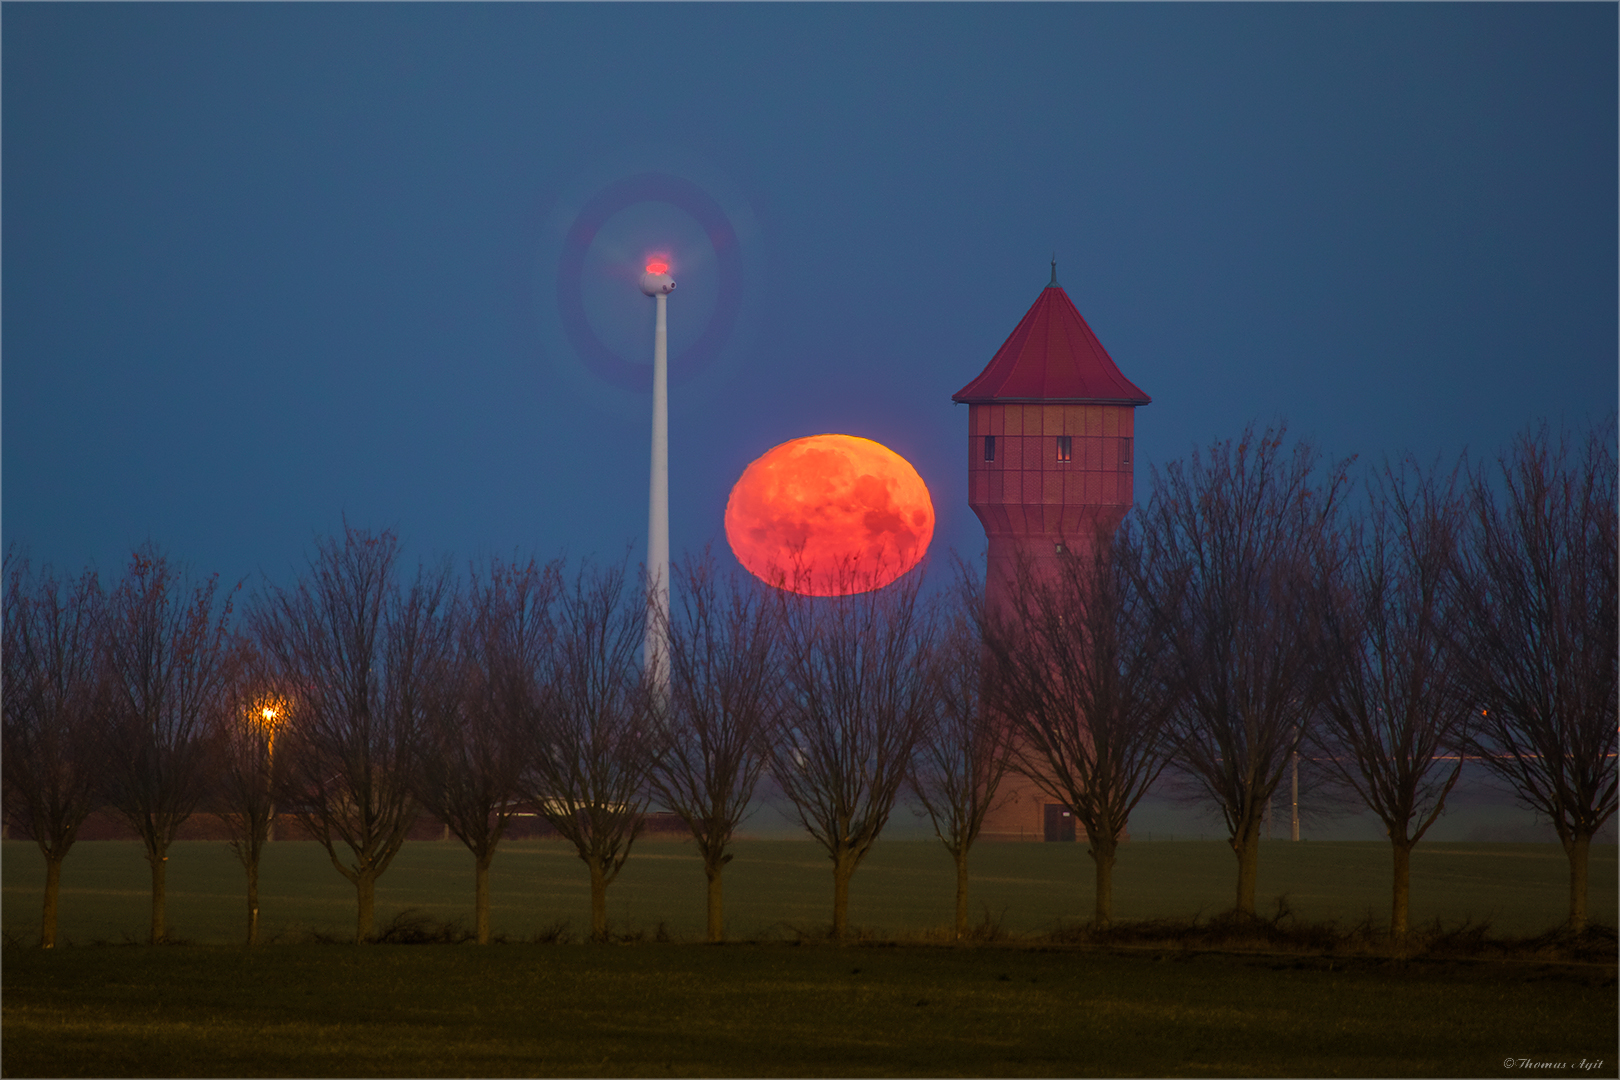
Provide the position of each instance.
(1053, 284)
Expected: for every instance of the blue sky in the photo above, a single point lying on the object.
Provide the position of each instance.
(268, 265)
(271, 264)
(265, 266)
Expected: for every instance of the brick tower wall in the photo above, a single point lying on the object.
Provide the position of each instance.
(1033, 505)
(1029, 500)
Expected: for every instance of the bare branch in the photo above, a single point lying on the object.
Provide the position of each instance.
(1393, 716)
(357, 654)
(55, 704)
(1237, 538)
(244, 764)
(724, 697)
(166, 653)
(1085, 676)
(1539, 582)
(477, 733)
(961, 760)
(860, 697)
(588, 772)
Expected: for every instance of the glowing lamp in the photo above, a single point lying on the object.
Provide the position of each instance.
(268, 714)
(656, 281)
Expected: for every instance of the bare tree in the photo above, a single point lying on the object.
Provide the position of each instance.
(472, 770)
(966, 751)
(357, 653)
(592, 747)
(1236, 539)
(859, 697)
(1539, 582)
(1085, 676)
(54, 703)
(723, 698)
(244, 769)
(166, 650)
(1393, 718)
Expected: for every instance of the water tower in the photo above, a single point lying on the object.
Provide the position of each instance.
(1051, 423)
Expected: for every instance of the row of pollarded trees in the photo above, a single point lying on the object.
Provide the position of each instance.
(364, 695)
(1247, 616)
(109, 699)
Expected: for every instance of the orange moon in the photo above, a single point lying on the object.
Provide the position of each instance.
(829, 515)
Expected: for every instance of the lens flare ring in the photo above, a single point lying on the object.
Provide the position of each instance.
(716, 224)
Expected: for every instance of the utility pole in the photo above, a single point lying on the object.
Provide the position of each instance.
(1296, 794)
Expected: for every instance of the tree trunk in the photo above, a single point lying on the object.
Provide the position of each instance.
(961, 892)
(365, 889)
(599, 929)
(253, 902)
(481, 897)
(53, 888)
(1104, 852)
(843, 870)
(1247, 848)
(1577, 848)
(1401, 901)
(160, 864)
(717, 923)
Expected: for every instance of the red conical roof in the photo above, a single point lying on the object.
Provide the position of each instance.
(1052, 356)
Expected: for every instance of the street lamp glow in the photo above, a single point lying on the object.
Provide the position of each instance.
(268, 716)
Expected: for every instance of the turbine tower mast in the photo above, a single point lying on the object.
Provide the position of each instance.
(657, 284)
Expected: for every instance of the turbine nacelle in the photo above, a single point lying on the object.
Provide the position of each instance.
(656, 281)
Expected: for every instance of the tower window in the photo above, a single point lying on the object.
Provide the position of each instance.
(1065, 447)
(989, 448)
(1124, 451)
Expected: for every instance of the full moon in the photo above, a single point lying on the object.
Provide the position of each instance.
(829, 515)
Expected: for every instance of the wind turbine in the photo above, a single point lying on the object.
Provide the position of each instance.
(657, 284)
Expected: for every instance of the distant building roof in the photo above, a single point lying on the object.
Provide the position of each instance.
(1052, 356)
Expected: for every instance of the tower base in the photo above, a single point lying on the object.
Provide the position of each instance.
(1026, 814)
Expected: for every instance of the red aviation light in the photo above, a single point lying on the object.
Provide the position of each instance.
(656, 265)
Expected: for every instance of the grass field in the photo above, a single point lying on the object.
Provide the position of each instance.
(754, 1010)
(785, 1004)
(776, 888)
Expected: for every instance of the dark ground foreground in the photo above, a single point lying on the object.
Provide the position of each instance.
(780, 1009)
(1174, 990)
